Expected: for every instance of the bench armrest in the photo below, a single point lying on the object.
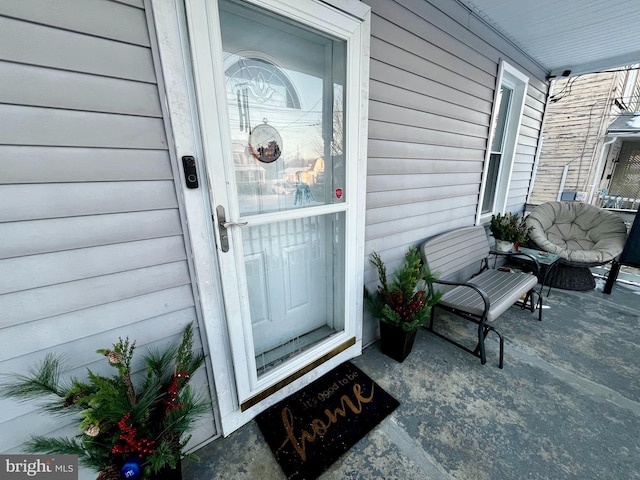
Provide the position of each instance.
(478, 290)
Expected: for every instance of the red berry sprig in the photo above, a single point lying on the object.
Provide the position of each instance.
(172, 393)
(141, 446)
(406, 310)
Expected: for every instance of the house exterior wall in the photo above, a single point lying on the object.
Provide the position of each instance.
(629, 88)
(575, 131)
(633, 102)
(90, 216)
(432, 84)
(92, 244)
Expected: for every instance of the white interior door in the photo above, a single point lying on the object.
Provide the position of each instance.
(273, 98)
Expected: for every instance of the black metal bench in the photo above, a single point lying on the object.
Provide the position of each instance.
(482, 296)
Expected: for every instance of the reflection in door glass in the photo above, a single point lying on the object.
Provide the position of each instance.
(285, 100)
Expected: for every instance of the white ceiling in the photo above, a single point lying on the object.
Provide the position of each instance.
(583, 36)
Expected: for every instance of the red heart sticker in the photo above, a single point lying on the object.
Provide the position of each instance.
(338, 193)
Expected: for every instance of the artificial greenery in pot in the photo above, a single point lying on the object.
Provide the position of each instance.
(402, 305)
(510, 227)
(127, 431)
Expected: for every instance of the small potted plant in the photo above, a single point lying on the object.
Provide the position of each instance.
(402, 305)
(126, 430)
(509, 230)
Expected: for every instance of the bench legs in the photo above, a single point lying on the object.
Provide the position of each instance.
(532, 305)
(483, 331)
(530, 302)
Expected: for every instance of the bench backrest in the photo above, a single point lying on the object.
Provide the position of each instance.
(456, 251)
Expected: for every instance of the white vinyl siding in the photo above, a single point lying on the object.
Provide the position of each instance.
(432, 82)
(91, 232)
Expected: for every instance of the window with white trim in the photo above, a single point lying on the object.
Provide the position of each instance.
(505, 125)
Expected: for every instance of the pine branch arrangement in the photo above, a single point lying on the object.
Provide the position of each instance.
(408, 299)
(119, 421)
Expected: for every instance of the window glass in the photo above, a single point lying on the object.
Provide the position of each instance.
(500, 122)
(285, 98)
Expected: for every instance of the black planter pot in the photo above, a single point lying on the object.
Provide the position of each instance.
(114, 471)
(395, 342)
(170, 473)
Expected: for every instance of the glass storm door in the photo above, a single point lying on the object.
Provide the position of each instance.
(279, 179)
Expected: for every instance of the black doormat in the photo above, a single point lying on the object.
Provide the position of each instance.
(309, 430)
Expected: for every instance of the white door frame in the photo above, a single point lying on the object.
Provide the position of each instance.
(169, 19)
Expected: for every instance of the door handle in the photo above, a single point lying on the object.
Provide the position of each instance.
(233, 224)
(223, 225)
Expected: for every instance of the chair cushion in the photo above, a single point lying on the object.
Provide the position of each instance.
(577, 232)
(502, 288)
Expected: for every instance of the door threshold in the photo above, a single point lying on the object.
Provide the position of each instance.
(250, 402)
(276, 356)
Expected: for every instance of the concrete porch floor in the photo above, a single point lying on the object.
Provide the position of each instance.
(565, 406)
